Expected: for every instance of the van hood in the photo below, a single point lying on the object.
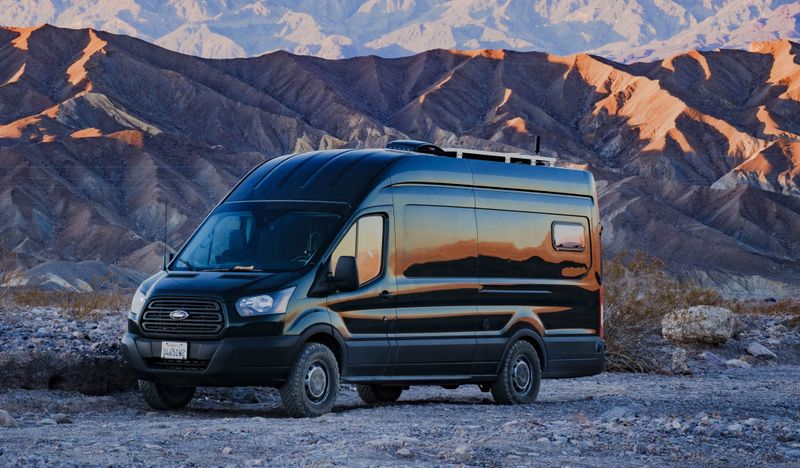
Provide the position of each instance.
(228, 286)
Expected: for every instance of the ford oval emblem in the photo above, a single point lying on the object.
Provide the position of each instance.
(178, 314)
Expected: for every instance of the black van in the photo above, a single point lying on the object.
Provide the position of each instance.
(410, 265)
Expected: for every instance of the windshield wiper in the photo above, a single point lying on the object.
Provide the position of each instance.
(236, 268)
(188, 265)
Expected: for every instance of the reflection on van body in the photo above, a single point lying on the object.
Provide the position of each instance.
(383, 268)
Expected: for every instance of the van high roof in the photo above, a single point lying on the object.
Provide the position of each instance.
(348, 175)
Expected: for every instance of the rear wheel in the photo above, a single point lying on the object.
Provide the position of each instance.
(165, 397)
(313, 382)
(378, 393)
(520, 376)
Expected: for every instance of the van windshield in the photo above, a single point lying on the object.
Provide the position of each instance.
(260, 236)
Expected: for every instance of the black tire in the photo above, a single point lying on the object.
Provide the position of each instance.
(165, 397)
(374, 394)
(520, 376)
(313, 383)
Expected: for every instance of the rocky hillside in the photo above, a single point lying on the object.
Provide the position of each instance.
(624, 30)
(698, 154)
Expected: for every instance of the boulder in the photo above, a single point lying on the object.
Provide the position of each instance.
(679, 362)
(617, 412)
(462, 450)
(6, 420)
(737, 363)
(758, 350)
(713, 359)
(698, 324)
(61, 418)
(748, 359)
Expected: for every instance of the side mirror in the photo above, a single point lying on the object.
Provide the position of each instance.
(167, 260)
(345, 276)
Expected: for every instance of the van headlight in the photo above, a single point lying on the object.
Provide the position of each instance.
(137, 303)
(264, 304)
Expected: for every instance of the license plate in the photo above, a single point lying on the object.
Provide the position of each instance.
(174, 350)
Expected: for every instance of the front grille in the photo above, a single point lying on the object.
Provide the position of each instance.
(171, 364)
(204, 318)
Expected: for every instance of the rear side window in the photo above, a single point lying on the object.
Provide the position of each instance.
(515, 244)
(439, 242)
(569, 236)
(364, 241)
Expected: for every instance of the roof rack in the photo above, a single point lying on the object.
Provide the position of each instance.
(509, 158)
(422, 147)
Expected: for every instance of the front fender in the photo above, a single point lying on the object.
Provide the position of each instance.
(316, 323)
(306, 320)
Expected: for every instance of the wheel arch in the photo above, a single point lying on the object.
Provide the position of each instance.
(328, 336)
(531, 336)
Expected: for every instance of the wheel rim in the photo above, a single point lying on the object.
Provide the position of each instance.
(521, 375)
(316, 382)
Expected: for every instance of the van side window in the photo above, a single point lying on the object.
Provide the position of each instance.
(369, 247)
(364, 241)
(347, 246)
(440, 242)
(569, 236)
(517, 244)
(510, 244)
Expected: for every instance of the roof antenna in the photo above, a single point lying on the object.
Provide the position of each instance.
(538, 144)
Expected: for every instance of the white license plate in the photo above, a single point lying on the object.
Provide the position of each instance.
(174, 350)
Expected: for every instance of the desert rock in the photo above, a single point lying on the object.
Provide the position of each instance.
(699, 324)
(6, 420)
(760, 351)
(737, 363)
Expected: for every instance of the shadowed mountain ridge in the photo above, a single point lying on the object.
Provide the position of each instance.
(697, 155)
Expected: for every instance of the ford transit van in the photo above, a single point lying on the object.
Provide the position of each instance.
(384, 268)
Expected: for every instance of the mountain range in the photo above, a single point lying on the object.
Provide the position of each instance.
(622, 30)
(105, 138)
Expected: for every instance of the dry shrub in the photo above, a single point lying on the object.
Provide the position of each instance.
(83, 305)
(789, 307)
(638, 292)
(78, 305)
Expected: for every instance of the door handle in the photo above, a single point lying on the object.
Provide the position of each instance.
(385, 295)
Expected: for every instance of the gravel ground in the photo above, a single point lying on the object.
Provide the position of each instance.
(46, 347)
(737, 417)
(699, 410)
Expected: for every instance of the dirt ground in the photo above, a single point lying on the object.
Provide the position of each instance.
(736, 417)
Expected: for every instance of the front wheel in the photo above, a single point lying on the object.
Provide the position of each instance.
(520, 376)
(165, 397)
(313, 383)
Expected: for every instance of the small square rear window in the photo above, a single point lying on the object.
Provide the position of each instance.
(569, 236)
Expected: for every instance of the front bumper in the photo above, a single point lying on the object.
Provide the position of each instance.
(226, 362)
